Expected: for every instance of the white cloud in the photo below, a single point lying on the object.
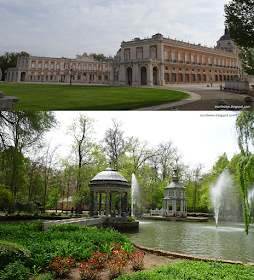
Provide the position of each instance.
(65, 28)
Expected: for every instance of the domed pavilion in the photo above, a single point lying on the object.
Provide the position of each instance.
(174, 202)
(109, 182)
(225, 43)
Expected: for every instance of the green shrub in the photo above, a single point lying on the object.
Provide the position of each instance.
(131, 219)
(15, 271)
(10, 252)
(46, 276)
(194, 270)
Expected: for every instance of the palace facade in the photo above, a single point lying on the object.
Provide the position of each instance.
(149, 61)
(83, 69)
(160, 61)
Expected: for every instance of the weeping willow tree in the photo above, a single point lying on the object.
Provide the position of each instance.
(245, 170)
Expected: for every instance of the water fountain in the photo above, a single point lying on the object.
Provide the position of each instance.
(134, 193)
(216, 192)
(251, 196)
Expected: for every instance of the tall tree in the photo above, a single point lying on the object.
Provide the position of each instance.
(81, 131)
(240, 20)
(9, 60)
(245, 130)
(19, 132)
(114, 143)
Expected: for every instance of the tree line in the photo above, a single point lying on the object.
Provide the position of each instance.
(32, 174)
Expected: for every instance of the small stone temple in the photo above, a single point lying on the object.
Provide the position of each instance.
(109, 182)
(174, 202)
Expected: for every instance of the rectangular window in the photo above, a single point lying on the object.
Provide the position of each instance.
(166, 55)
(173, 57)
(153, 54)
(203, 60)
(186, 58)
(52, 66)
(33, 65)
(192, 58)
(139, 55)
(179, 57)
(198, 59)
(46, 66)
(58, 66)
(167, 77)
(215, 61)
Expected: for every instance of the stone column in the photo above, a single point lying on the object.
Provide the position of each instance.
(126, 203)
(161, 75)
(150, 74)
(119, 204)
(91, 200)
(100, 205)
(96, 204)
(135, 75)
(107, 204)
(110, 204)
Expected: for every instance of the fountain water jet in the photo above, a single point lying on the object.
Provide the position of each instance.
(134, 192)
(216, 192)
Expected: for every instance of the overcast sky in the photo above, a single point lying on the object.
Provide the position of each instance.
(200, 138)
(59, 28)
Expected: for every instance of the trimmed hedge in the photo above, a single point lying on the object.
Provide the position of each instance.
(10, 252)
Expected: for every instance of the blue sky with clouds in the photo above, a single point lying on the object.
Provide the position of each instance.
(64, 28)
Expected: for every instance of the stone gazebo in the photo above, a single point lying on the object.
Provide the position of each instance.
(110, 182)
(174, 202)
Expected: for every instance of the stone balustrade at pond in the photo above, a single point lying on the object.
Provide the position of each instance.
(7, 102)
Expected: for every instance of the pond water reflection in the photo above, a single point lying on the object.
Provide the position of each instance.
(228, 241)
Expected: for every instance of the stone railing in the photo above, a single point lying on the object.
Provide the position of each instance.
(6, 103)
(157, 212)
(237, 86)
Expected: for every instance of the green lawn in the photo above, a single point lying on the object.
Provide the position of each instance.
(79, 97)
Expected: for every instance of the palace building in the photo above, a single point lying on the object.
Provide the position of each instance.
(149, 61)
(83, 69)
(159, 61)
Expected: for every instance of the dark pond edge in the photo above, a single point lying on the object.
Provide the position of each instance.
(28, 217)
(187, 257)
(175, 219)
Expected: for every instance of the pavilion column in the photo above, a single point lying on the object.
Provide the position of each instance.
(110, 204)
(107, 204)
(96, 204)
(119, 204)
(100, 205)
(126, 204)
(91, 200)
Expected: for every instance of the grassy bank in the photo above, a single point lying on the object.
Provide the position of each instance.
(194, 270)
(79, 97)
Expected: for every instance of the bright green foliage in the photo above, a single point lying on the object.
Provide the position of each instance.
(10, 252)
(15, 270)
(7, 199)
(245, 177)
(240, 20)
(61, 240)
(245, 130)
(194, 270)
(247, 57)
(46, 276)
